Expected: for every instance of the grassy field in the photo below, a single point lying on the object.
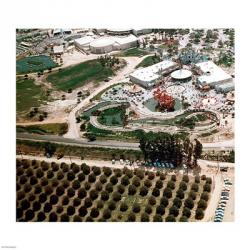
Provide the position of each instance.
(28, 95)
(34, 64)
(148, 61)
(112, 116)
(50, 128)
(133, 52)
(72, 193)
(80, 74)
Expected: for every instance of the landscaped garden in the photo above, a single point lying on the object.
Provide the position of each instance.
(62, 193)
(133, 52)
(148, 61)
(34, 64)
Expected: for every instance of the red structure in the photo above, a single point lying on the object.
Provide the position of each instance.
(165, 101)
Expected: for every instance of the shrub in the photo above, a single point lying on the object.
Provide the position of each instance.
(42, 198)
(173, 178)
(180, 194)
(111, 205)
(60, 190)
(94, 212)
(118, 172)
(103, 179)
(128, 173)
(65, 183)
(87, 186)
(65, 200)
(55, 183)
(195, 187)
(123, 207)
(41, 216)
(54, 166)
(136, 181)
(162, 176)
(183, 186)
(29, 215)
(164, 201)
(76, 184)
(189, 203)
(207, 188)
(143, 191)
(197, 179)
(50, 174)
(167, 192)
(91, 178)
(174, 211)
(159, 184)
(209, 180)
(160, 210)
(131, 217)
(140, 173)
(53, 199)
(125, 180)
(199, 214)
(64, 218)
(107, 171)
(93, 194)
(185, 178)
(203, 177)
(59, 209)
(85, 169)
(38, 189)
(64, 167)
(147, 183)
(192, 195)
(32, 197)
(70, 210)
(36, 206)
(144, 217)
(44, 182)
(48, 190)
(76, 202)
(171, 185)
(151, 176)
(186, 212)
(157, 218)
(75, 168)
(170, 218)
(106, 214)
(98, 186)
(148, 209)
(81, 177)
(87, 202)
(113, 180)
(116, 196)
(156, 192)
(89, 219)
(47, 207)
(82, 211)
(53, 217)
(152, 200)
(23, 179)
(120, 188)
(131, 190)
(205, 196)
(202, 204)
(77, 218)
(109, 187)
(96, 171)
(183, 219)
(104, 195)
(136, 208)
(177, 202)
(100, 204)
(71, 192)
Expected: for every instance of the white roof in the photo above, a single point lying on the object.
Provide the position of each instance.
(226, 85)
(119, 30)
(181, 74)
(102, 42)
(212, 73)
(126, 39)
(153, 72)
(58, 49)
(84, 40)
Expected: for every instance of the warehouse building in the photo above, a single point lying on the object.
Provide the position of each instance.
(211, 74)
(150, 76)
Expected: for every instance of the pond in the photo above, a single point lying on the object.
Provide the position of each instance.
(151, 104)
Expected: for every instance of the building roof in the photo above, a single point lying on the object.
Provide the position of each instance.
(85, 40)
(225, 85)
(212, 73)
(181, 74)
(126, 39)
(153, 72)
(102, 42)
(58, 49)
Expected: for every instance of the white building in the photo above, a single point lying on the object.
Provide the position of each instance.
(211, 74)
(83, 42)
(58, 50)
(149, 76)
(225, 87)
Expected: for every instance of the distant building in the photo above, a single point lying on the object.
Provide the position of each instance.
(83, 42)
(58, 50)
(211, 74)
(225, 87)
(149, 76)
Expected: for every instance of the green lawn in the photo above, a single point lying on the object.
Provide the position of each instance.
(34, 64)
(148, 61)
(28, 95)
(133, 52)
(112, 116)
(80, 74)
(50, 128)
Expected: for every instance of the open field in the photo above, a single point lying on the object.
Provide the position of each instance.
(148, 61)
(133, 52)
(50, 128)
(34, 64)
(80, 74)
(28, 95)
(62, 192)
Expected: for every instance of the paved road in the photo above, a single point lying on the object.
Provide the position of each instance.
(109, 143)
